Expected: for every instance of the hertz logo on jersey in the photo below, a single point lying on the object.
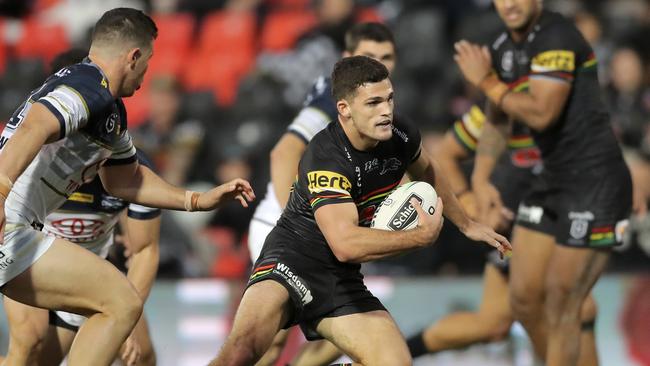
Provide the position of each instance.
(554, 60)
(325, 180)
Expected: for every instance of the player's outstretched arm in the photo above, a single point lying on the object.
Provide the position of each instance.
(39, 127)
(425, 168)
(538, 107)
(138, 184)
(285, 157)
(355, 244)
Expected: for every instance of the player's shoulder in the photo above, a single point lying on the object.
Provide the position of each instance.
(86, 79)
(320, 96)
(554, 27)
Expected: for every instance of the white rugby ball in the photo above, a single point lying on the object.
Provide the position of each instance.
(396, 212)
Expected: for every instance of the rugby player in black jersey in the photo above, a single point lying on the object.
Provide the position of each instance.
(542, 73)
(513, 176)
(309, 270)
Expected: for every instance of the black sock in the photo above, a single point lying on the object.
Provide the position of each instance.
(416, 345)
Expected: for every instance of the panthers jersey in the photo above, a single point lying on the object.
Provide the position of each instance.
(332, 171)
(318, 110)
(555, 50)
(92, 132)
(90, 214)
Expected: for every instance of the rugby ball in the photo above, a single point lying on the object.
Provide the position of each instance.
(396, 212)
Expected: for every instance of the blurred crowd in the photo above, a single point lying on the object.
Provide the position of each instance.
(228, 76)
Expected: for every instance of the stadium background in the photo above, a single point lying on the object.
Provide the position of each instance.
(227, 77)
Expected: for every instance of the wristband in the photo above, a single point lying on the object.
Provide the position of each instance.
(191, 201)
(494, 88)
(5, 186)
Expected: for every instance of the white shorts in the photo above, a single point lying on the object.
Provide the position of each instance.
(67, 320)
(23, 246)
(266, 215)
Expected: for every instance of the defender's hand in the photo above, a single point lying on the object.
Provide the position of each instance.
(488, 200)
(480, 232)
(429, 225)
(236, 189)
(130, 351)
(474, 61)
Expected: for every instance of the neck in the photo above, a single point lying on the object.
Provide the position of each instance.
(110, 71)
(519, 34)
(358, 140)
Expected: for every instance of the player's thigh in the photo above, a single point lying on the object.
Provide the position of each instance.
(27, 324)
(495, 302)
(371, 338)
(532, 251)
(68, 277)
(572, 273)
(263, 310)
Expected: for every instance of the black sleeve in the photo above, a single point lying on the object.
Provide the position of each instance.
(327, 180)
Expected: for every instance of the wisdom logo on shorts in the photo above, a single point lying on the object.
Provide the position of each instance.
(297, 283)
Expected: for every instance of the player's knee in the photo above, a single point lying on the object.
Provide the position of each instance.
(127, 306)
(562, 304)
(525, 304)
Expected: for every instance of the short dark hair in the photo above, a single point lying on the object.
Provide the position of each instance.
(125, 24)
(367, 32)
(67, 58)
(352, 72)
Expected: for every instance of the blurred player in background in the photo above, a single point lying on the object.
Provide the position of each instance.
(513, 176)
(542, 73)
(309, 270)
(66, 132)
(374, 40)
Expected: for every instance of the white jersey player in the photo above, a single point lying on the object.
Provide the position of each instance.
(66, 132)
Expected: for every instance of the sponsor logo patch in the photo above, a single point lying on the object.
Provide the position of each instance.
(295, 281)
(325, 180)
(554, 60)
(531, 214)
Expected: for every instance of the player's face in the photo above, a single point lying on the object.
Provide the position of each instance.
(383, 52)
(136, 70)
(371, 110)
(517, 14)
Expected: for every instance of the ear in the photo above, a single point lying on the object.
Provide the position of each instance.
(133, 56)
(343, 107)
(346, 54)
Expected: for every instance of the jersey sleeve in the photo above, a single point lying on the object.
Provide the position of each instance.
(554, 53)
(78, 97)
(123, 151)
(327, 181)
(467, 130)
(318, 110)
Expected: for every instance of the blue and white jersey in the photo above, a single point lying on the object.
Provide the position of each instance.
(90, 215)
(93, 132)
(319, 109)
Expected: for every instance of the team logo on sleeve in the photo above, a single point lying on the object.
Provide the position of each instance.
(325, 180)
(554, 60)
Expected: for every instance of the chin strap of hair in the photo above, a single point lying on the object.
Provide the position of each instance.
(5, 186)
(494, 88)
(192, 201)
